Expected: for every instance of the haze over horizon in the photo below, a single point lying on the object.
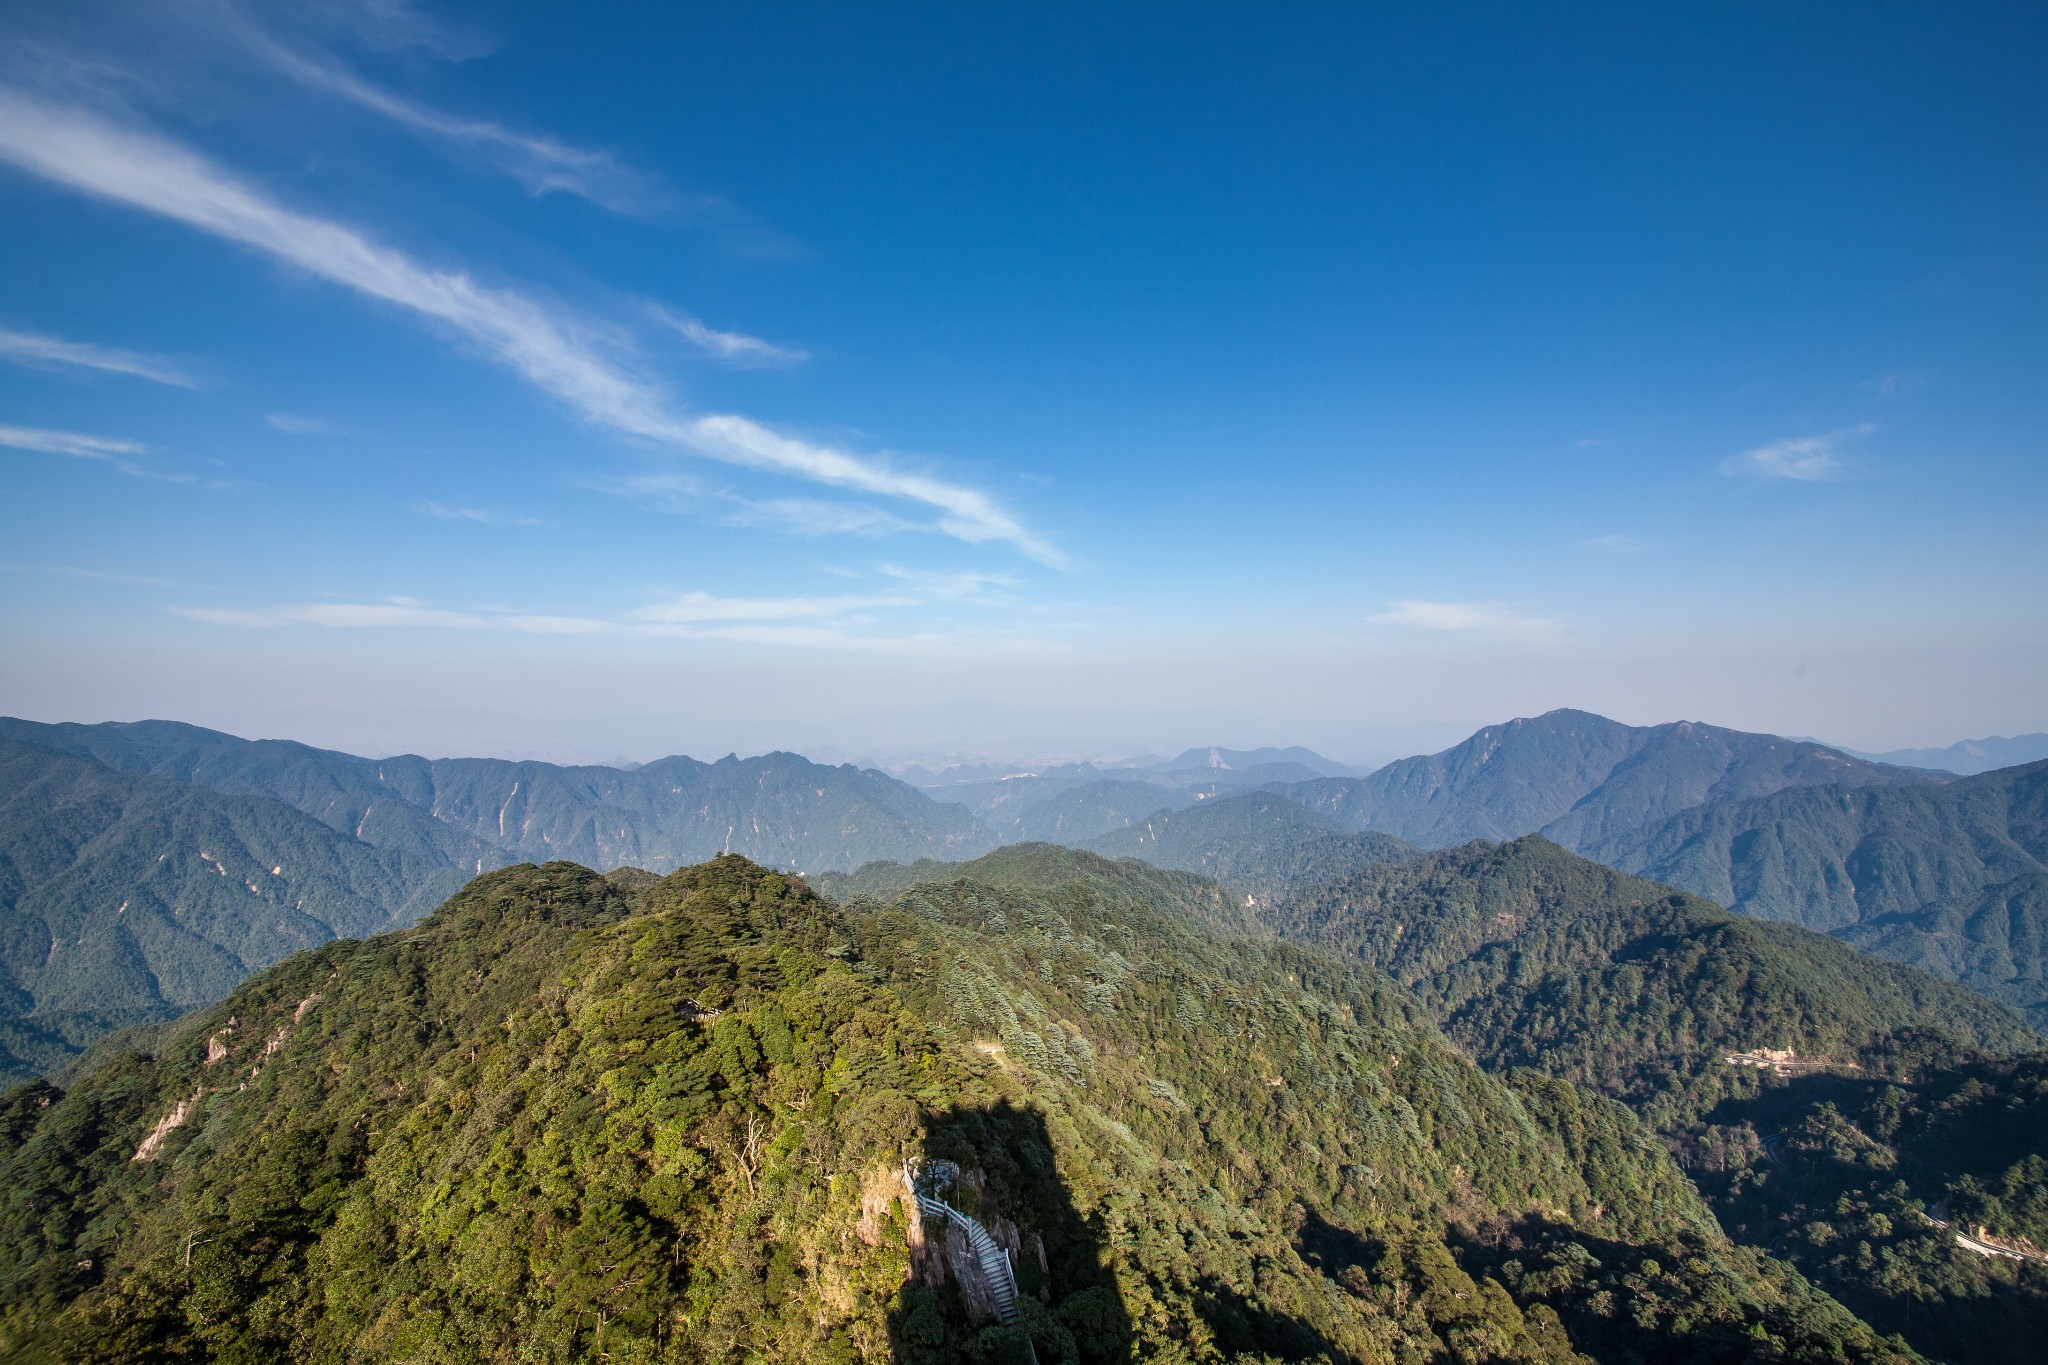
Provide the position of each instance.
(586, 384)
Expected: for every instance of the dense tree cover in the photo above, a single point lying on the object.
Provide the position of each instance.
(571, 1117)
(1580, 779)
(127, 898)
(1846, 1177)
(1532, 957)
(1197, 900)
(1259, 843)
(1950, 878)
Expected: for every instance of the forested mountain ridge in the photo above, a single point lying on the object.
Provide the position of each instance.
(1195, 901)
(126, 898)
(1530, 956)
(569, 1115)
(1578, 779)
(1953, 878)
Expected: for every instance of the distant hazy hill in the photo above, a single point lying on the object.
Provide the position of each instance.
(1261, 843)
(1074, 802)
(1238, 760)
(1087, 812)
(778, 808)
(136, 859)
(1953, 878)
(1579, 779)
(126, 898)
(1970, 756)
(382, 802)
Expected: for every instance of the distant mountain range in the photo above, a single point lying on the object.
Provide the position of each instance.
(108, 914)
(149, 867)
(1968, 757)
(127, 898)
(1579, 779)
(1909, 863)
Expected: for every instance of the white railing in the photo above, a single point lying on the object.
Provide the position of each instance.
(998, 1275)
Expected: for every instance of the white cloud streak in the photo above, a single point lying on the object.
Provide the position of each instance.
(482, 516)
(799, 623)
(96, 575)
(952, 586)
(80, 150)
(790, 622)
(34, 348)
(298, 426)
(1460, 616)
(1803, 459)
(542, 164)
(401, 612)
(77, 445)
(68, 443)
(732, 348)
(702, 606)
(1619, 543)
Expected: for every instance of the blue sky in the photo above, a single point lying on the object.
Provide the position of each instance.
(609, 380)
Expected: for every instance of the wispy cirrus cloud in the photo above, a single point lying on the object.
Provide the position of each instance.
(1492, 617)
(1803, 459)
(482, 516)
(840, 622)
(694, 607)
(396, 611)
(84, 151)
(1618, 543)
(731, 348)
(79, 446)
(35, 348)
(963, 585)
(96, 575)
(682, 493)
(544, 165)
(299, 426)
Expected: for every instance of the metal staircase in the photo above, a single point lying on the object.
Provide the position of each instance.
(998, 1275)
